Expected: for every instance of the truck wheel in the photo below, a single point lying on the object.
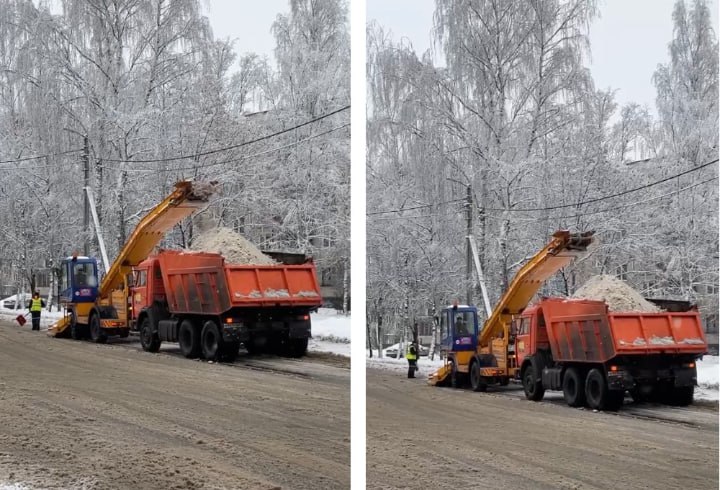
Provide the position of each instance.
(296, 347)
(230, 351)
(681, 396)
(599, 396)
(211, 341)
(254, 346)
(189, 339)
(477, 383)
(534, 389)
(148, 339)
(97, 334)
(573, 388)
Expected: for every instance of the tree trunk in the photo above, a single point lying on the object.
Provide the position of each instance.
(346, 286)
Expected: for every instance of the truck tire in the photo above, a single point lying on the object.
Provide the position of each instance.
(189, 339)
(254, 346)
(296, 347)
(148, 338)
(477, 383)
(532, 384)
(681, 396)
(211, 341)
(573, 386)
(230, 351)
(97, 334)
(598, 395)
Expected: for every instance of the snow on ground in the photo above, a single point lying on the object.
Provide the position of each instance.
(330, 332)
(708, 373)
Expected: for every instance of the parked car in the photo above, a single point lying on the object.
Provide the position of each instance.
(392, 352)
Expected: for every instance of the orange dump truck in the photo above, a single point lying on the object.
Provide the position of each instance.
(594, 356)
(210, 307)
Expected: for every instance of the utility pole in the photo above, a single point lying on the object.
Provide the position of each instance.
(86, 208)
(468, 251)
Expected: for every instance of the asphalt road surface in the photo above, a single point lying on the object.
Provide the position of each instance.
(81, 415)
(420, 436)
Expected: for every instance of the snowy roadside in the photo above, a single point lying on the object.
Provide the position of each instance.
(708, 372)
(330, 328)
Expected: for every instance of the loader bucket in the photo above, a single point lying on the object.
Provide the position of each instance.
(439, 376)
(57, 328)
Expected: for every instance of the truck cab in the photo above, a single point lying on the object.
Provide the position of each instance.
(530, 333)
(147, 286)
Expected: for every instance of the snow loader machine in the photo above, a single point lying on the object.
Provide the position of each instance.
(577, 346)
(486, 356)
(97, 309)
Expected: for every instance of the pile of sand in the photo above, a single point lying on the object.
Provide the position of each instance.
(233, 246)
(618, 295)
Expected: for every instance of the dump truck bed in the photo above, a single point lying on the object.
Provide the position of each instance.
(584, 330)
(197, 282)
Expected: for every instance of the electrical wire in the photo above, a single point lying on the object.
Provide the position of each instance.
(414, 207)
(234, 160)
(25, 159)
(552, 218)
(232, 147)
(603, 198)
(246, 157)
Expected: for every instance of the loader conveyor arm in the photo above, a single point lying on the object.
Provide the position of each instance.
(562, 249)
(186, 199)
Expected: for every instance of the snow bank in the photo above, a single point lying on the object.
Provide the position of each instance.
(708, 374)
(618, 294)
(234, 247)
(425, 365)
(330, 325)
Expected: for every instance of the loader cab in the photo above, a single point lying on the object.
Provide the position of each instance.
(459, 327)
(79, 281)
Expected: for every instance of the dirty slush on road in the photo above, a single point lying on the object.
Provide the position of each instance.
(81, 415)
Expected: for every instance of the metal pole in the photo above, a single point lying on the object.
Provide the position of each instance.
(468, 252)
(86, 207)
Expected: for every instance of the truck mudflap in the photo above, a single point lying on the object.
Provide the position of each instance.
(299, 329)
(684, 377)
(620, 380)
(678, 377)
(235, 332)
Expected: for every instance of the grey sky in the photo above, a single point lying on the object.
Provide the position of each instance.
(248, 23)
(628, 41)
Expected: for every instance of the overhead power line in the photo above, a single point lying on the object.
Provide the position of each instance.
(579, 215)
(231, 147)
(25, 159)
(233, 160)
(414, 207)
(603, 198)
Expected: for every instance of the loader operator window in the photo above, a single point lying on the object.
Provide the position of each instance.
(464, 324)
(84, 275)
